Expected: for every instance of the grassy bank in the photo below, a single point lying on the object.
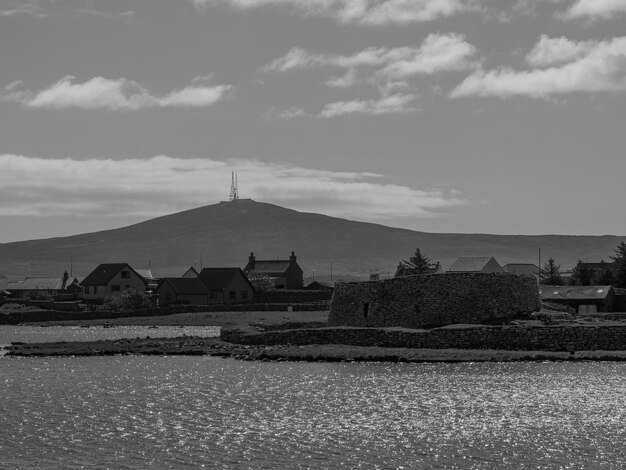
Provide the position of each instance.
(309, 353)
(228, 319)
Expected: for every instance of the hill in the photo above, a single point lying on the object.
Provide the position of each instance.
(224, 234)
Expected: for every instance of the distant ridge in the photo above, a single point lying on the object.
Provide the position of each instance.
(224, 234)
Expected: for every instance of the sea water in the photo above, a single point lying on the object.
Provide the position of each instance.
(132, 412)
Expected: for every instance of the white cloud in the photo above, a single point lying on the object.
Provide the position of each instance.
(438, 52)
(366, 12)
(595, 9)
(387, 69)
(160, 185)
(602, 68)
(345, 81)
(286, 114)
(551, 51)
(117, 95)
(393, 104)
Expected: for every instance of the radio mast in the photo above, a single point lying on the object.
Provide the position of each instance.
(234, 192)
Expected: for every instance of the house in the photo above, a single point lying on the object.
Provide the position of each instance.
(521, 268)
(320, 285)
(583, 299)
(43, 287)
(111, 279)
(284, 274)
(182, 290)
(476, 264)
(226, 285)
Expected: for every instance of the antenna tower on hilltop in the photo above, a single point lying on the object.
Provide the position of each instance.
(234, 191)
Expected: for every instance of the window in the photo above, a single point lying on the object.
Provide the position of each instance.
(125, 274)
(86, 289)
(232, 295)
(95, 289)
(115, 288)
(168, 296)
(244, 295)
(213, 295)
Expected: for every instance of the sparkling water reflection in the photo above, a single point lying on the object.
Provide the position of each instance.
(182, 412)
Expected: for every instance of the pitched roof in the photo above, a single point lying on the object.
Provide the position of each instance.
(470, 263)
(270, 266)
(573, 292)
(185, 285)
(219, 278)
(521, 268)
(104, 273)
(37, 283)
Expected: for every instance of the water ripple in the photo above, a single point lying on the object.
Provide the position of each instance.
(181, 412)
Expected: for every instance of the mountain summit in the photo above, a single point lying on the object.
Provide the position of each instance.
(224, 234)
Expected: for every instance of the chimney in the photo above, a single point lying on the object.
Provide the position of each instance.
(292, 258)
(251, 260)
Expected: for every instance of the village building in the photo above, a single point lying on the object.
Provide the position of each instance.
(522, 268)
(43, 287)
(226, 285)
(111, 279)
(583, 299)
(320, 285)
(182, 290)
(284, 274)
(476, 264)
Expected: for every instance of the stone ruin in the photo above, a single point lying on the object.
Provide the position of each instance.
(429, 301)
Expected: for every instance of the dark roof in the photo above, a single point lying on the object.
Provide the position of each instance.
(470, 263)
(573, 292)
(104, 273)
(220, 278)
(185, 285)
(320, 285)
(270, 266)
(37, 283)
(521, 268)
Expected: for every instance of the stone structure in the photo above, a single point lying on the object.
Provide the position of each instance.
(428, 301)
(610, 336)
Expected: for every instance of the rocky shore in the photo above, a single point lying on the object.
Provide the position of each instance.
(196, 346)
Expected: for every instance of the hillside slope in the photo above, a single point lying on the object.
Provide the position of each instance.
(224, 234)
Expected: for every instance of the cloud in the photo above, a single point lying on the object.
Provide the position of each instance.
(600, 68)
(551, 51)
(289, 113)
(365, 12)
(438, 52)
(387, 69)
(161, 184)
(595, 9)
(393, 104)
(116, 95)
(345, 81)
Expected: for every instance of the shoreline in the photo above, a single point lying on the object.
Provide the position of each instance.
(197, 346)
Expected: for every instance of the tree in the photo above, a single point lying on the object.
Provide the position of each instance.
(260, 281)
(127, 301)
(582, 274)
(551, 274)
(620, 265)
(417, 264)
(604, 275)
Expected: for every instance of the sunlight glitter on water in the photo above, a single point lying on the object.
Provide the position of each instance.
(172, 412)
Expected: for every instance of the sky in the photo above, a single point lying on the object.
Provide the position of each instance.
(466, 116)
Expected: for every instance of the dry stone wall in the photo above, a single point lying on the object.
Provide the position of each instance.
(430, 301)
(524, 338)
